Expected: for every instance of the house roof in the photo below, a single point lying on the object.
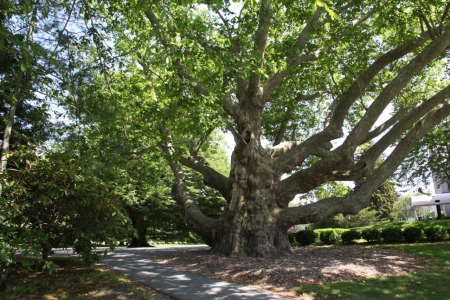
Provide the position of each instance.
(425, 200)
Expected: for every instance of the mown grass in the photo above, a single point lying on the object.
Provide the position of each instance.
(430, 284)
(73, 280)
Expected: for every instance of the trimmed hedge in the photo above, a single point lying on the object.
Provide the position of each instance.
(329, 237)
(392, 234)
(291, 237)
(371, 234)
(305, 237)
(350, 236)
(435, 233)
(413, 234)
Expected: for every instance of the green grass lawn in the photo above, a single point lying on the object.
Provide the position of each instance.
(431, 284)
(73, 280)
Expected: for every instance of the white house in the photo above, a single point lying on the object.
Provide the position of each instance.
(441, 198)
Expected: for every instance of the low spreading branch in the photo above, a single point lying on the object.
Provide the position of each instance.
(197, 221)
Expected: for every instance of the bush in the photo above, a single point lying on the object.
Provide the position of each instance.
(435, 233)
(371, 234)
(291, 237)
(413, 234)
(329, 237)
(305, 237)
(350, 236)
(392, 234)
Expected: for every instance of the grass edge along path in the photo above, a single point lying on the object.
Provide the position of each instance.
(430, 284)
(74, 280)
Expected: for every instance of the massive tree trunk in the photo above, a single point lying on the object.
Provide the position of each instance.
(249, 224)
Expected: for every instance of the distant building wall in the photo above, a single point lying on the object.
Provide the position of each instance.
(440, 188)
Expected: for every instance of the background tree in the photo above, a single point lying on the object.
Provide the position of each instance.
(382, 200)
(32, 34)
(58, 199)
(429, 158)
(285, 72)
(402, 209)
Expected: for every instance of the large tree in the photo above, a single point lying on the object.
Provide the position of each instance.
(298, 74)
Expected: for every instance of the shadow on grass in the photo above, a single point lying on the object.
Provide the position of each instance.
(430, 284)
(439, 252)
(422, 285)
(73, 280)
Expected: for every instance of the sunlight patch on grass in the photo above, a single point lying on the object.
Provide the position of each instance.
(429, 284)
(101, 293)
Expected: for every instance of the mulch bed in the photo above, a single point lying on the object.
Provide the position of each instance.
(311, 265)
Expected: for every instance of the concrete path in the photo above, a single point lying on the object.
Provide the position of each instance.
(180, 285)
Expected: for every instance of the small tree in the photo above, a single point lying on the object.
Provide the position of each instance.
(402, 209)
(365, 217)
(57, 199)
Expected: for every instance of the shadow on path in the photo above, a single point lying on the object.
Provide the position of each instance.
(180, 285)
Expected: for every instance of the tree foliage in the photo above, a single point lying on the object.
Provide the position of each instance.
(63, 203)
(430, 158)
(383, 200)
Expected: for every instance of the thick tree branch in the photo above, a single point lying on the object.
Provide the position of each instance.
(415, 114)
(262, 32)
(358, 134)
(332, 168)
(360, 199)
(295, 59)
(289, 155)
(315, 212)
(282, 131)
(307, 179)
(290, 159)
(418, 110)
(197, 221)
(343, 103)
(211, 177)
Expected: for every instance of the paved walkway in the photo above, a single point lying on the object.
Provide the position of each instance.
(180, 285)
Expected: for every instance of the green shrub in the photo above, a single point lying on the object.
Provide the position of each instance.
(291, 237)
(413, 234)
(295, 245)
(435, 233)
(392, 234)
(305, 237)
(371, 234)
(329, 237)
(350, 236)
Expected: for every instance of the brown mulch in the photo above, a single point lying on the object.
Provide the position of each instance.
(312, 265)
